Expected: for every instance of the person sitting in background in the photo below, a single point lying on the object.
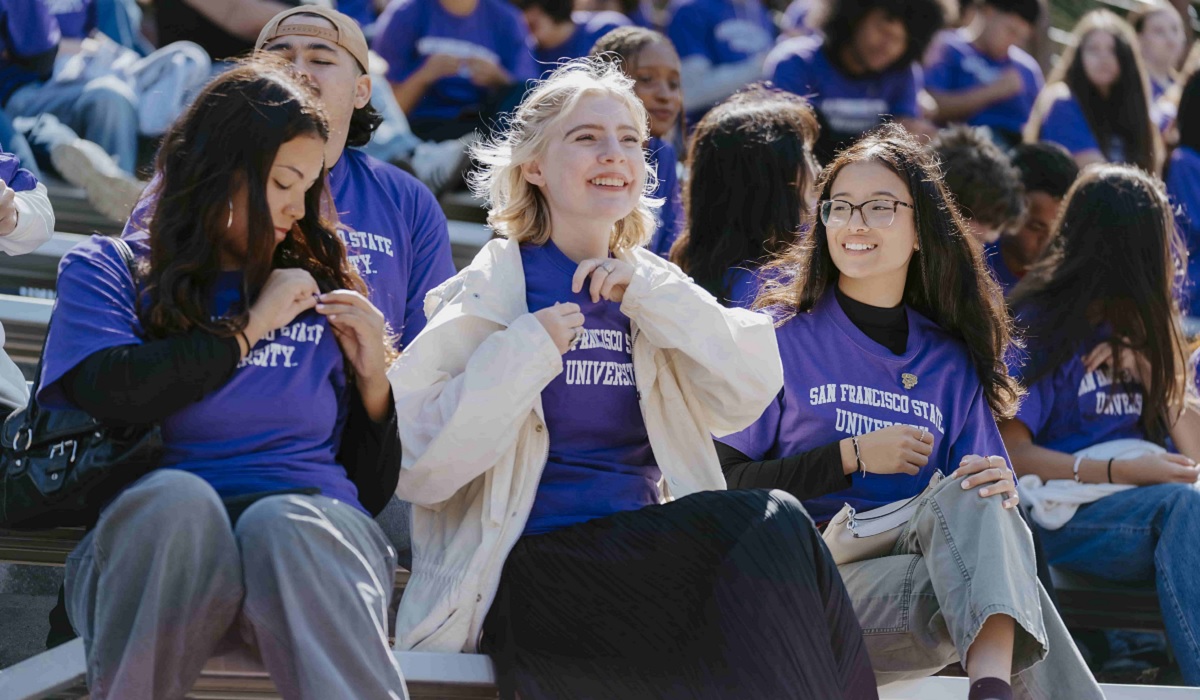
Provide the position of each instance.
(454, 65)
(982, 77)
(1047, 172)
(1096, 102)
(1111, 412)
(863, 70)
(559, 34)
(223, 28)
(1183, 186)
(750, 192)
(1163, 43)
(722, 44)
(984, 183)
(26, 222)
(650, 60)
(243, 331)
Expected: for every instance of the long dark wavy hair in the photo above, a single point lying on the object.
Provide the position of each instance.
(228, 138)
(1125, 112)
(1114, 262)
(947, 281)
(745, 200)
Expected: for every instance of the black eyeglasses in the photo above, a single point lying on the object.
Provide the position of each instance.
(877, 213)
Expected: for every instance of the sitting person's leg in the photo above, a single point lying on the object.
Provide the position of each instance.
(930, 603)
(717, 595)
(154, 587)
(319, 575)
(1142, 535)
(106, 114)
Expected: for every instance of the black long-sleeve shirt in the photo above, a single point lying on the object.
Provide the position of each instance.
(138, 384)
(819, 471)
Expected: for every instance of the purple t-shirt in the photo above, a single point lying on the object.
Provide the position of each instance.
(1070, 408)
(1183, 186)
(16, 177)
(76, 18)
(839, 383)
(963, 67)
(743, 283)
(723, 31)
(395, 234)
(589, 27)
(276, 424)
(999, 268)
(413, 30)
(670, 216)
(394, 231)
(26, 29)
(1066, 126)
(600, 460)
(847, 106)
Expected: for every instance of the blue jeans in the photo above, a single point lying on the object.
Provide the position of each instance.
(1137, 536)
(101, 110)
(13, 142)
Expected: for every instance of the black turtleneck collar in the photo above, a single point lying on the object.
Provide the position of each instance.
(888, 327)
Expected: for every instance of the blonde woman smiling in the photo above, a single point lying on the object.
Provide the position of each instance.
(562, 394)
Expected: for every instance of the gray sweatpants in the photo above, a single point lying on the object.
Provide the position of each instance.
(961, 559)
(163, 578)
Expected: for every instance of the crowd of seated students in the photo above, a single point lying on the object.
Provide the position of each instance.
(723, 225)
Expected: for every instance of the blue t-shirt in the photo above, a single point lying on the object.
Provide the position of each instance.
(589, 27)
(361, 11)
(276, 424)
(600, 460)
(670, 216)
(723, 31)
(963, 67)
(839, 383)
(76, 18)
(999, 268)
(1183, 186)
(413, 30)
(847, 106)
(1069, 408)
(394, 231)
(1065, 125)
(27, 29)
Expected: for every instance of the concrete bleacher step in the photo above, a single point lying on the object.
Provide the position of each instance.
(60, 674)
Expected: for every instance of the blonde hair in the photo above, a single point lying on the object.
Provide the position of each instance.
(517, 209)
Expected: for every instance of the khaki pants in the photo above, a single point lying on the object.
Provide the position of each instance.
(961, 559)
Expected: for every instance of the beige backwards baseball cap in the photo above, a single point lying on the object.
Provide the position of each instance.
(345, 32)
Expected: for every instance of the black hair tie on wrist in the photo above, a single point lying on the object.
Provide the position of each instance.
(1110, 461)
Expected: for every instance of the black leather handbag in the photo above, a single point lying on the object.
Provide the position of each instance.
(60, 467)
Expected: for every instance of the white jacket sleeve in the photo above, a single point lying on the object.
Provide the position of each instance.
(35, 222)
(463, 390)
(729, 356)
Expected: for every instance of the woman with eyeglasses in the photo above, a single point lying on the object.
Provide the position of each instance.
(893, 336)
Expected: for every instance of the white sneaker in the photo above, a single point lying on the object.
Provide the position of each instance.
(112, 191)
(440, 165)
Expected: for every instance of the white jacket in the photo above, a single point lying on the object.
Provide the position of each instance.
(468, 404)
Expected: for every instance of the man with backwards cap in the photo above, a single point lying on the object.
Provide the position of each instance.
(393, 228)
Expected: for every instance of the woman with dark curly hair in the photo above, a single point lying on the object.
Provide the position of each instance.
(242, 330)
(863, 69)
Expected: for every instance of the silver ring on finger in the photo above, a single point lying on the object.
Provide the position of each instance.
(577, 338)
(607, 266)
(992, 463)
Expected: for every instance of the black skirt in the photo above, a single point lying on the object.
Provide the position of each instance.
(723, 594)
